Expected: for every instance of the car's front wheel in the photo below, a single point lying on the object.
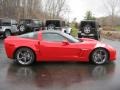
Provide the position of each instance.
(24, 56)
(100, 56)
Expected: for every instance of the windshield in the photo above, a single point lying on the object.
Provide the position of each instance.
(5, 24)
(71, 38)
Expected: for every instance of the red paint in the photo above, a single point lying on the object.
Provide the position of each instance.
(56, 51)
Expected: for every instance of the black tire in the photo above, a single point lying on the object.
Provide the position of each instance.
(7, 33)
(24, 56)
(99, 56)
(22, 28)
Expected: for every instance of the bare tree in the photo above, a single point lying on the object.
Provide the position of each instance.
(18, 9)
(112, 9)
(54, 7)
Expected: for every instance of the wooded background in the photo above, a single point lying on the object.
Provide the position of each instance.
(41, 9)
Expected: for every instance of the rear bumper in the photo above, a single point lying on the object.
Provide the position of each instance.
(83, 34)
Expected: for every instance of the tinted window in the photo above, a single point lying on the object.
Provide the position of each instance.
(25, 21)
(32, 35)
(37, 22)
(71, 38)
(53, 22)
(14, 22)
(6, 24)
(83, 24)
(53, 37)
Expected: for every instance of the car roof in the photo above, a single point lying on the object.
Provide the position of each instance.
(47, 31)
(54, 20)
(51, 31)
(29, 19)
(7, 20)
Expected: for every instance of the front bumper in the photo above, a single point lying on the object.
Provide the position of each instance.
(112, 53)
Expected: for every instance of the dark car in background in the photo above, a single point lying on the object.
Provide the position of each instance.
(89, 29)
(56, 24)
(8, 27)
(29, 25)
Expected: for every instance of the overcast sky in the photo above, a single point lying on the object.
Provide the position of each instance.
(79, 8)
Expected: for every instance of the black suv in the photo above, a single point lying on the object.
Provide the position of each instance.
(54, 24)
(89, 29)
(29, 25)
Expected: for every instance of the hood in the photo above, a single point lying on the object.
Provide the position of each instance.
(91, 43)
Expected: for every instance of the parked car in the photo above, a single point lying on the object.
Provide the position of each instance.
(56, 46)
(30, 25)
(8, 27)
(89, 29)
(57, 25)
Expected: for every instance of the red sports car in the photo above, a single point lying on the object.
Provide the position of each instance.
(56, 46)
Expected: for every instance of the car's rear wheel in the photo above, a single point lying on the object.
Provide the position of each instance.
(100, 56)
(24, 56)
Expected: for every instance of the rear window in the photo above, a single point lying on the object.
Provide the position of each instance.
(53, 22)
(6, 24)
(25, 21)
(37, 22)
(84, 23)
(32, 35)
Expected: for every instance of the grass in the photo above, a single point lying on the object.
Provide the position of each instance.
(74, 31)
(117, 28)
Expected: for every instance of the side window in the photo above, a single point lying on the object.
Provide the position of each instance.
(28, 21)
(14, 22)
(53, 37)
(6, 24)
(32, 35)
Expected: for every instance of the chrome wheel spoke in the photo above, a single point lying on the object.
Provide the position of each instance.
(24, 57)
(99, 56)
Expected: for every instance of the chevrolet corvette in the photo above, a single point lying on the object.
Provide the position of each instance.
(56, 46)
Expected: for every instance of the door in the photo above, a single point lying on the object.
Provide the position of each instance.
(14, 28)
(56, 47)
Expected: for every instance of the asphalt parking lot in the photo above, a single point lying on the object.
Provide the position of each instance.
(60, 76)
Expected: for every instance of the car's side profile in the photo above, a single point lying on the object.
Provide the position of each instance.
(8, 27)
(29, 25)
(56, 46)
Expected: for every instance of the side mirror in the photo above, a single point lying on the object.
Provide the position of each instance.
(65, 42)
